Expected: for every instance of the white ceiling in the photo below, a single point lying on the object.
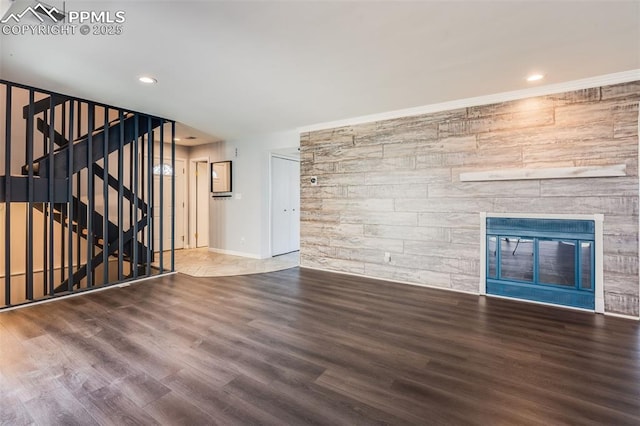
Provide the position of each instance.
(235, 68)
(188, 136)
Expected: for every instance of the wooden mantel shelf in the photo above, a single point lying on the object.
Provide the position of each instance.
(546, 173)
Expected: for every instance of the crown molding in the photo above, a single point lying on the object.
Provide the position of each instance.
(585, 83)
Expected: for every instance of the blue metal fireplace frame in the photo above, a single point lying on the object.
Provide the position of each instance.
(576, 232)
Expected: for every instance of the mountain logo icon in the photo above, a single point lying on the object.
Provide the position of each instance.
(39, 11)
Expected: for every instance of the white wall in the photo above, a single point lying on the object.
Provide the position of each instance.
(240, 224)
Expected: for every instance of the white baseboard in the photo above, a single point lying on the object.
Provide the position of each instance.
(235, 253)
(434, 287)
(630, 317)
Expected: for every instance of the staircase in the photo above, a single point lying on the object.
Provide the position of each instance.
(72, 183)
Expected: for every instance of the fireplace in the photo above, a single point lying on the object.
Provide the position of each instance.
(551, 259)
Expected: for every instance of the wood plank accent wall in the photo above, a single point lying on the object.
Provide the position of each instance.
(393, 186)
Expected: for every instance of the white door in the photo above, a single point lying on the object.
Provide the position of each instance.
(295, 204)
(167, 217)
(285, 205)
(202, 204)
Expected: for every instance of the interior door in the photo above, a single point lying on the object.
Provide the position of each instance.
(168, 217)
(280, 184)
(294, 173)
(202, 204)
(285, 205)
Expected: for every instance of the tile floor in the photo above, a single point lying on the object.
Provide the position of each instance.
(201, 262)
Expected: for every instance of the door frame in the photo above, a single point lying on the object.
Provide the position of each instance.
(191, 241)
(285, 156)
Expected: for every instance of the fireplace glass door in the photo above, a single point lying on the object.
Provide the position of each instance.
(546, 260)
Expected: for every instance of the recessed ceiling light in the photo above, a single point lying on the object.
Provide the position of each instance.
(535, 77)
(147, 80)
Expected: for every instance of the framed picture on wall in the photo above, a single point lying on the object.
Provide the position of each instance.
(221, 177)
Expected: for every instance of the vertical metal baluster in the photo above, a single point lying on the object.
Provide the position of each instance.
(142, 177)
(52, 121)
(30, 187)
(120, 196)
(150, 197)
(72, 214)
(90, 197)
(173, 195)
(63, 211)
(134, 240)
(46, 208)
(142, 187)
(105, 195)
(132, 207)
(79, 195)
(7, 200)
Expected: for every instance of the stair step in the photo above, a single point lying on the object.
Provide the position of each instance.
(44, 105)
(127, 128)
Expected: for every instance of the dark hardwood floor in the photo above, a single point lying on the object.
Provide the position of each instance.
(306, 347)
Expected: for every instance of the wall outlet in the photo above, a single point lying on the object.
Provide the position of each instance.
(242, 240)
(387, 256)
(238, 196)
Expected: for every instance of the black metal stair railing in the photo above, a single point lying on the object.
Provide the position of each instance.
(82, 160)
